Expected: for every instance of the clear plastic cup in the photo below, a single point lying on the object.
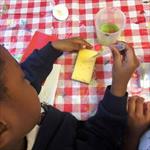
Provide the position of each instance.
(109, 23)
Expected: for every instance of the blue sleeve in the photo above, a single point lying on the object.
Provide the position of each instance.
(39, 64)
(105, 130)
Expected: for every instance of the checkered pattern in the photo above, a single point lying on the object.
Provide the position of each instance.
(20, 19)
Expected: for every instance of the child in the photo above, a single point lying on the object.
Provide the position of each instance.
(20, 107)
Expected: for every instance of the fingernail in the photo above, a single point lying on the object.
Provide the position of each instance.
(84, 46)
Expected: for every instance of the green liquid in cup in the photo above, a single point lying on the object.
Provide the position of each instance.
(109, 28)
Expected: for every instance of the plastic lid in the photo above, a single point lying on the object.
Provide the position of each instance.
(60, 12)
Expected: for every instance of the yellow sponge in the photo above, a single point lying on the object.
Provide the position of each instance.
(84, 66)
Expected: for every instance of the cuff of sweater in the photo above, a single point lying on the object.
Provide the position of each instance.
(113, 104)
(49, 52)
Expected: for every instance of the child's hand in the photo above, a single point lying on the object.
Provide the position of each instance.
(138, 116)
(138, 122)
(123, 69)
(72, 44)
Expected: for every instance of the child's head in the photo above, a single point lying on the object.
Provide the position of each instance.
(19, 103)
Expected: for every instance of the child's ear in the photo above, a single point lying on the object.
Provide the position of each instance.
(3, 127)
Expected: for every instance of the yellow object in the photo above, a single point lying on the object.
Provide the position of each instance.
(122, 38)
(84, 66)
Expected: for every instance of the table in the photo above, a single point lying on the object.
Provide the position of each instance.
(20, 19)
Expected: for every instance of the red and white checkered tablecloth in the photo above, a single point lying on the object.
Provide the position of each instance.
(20, 19)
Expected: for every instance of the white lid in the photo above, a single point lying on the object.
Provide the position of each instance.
(60, 12)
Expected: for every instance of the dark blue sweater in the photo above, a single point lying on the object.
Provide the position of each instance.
(62, 131)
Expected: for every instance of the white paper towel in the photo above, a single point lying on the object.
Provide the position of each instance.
(48, 90)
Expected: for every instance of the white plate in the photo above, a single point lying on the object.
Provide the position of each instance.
(48, 90)
(60, 12)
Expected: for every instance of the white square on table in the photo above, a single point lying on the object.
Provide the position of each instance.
(11, 11)
(60, 99)
(134, 26)
(24, 10)
(7, 33)
(75, 30)
(136, 39)
(88, 5)
(108, 81)
(75, 17)
(36, 10)
(75, 5)
(107, 67)
(93, 99)
(102, 4)
(89, 17)
(13, 2)
(21, 33)
(76, 84)
(116, 3)
(132, 14)
(48, 19)
(62, 30)
(26, 1)
(131, 2)
(19, 45)
(138, 51)
(76, 99)
(90, 29)
(48, 31)
(35, 20)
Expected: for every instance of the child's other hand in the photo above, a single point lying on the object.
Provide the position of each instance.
(72, 44)
(138, 122)
(123, 69)
(138, 116)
